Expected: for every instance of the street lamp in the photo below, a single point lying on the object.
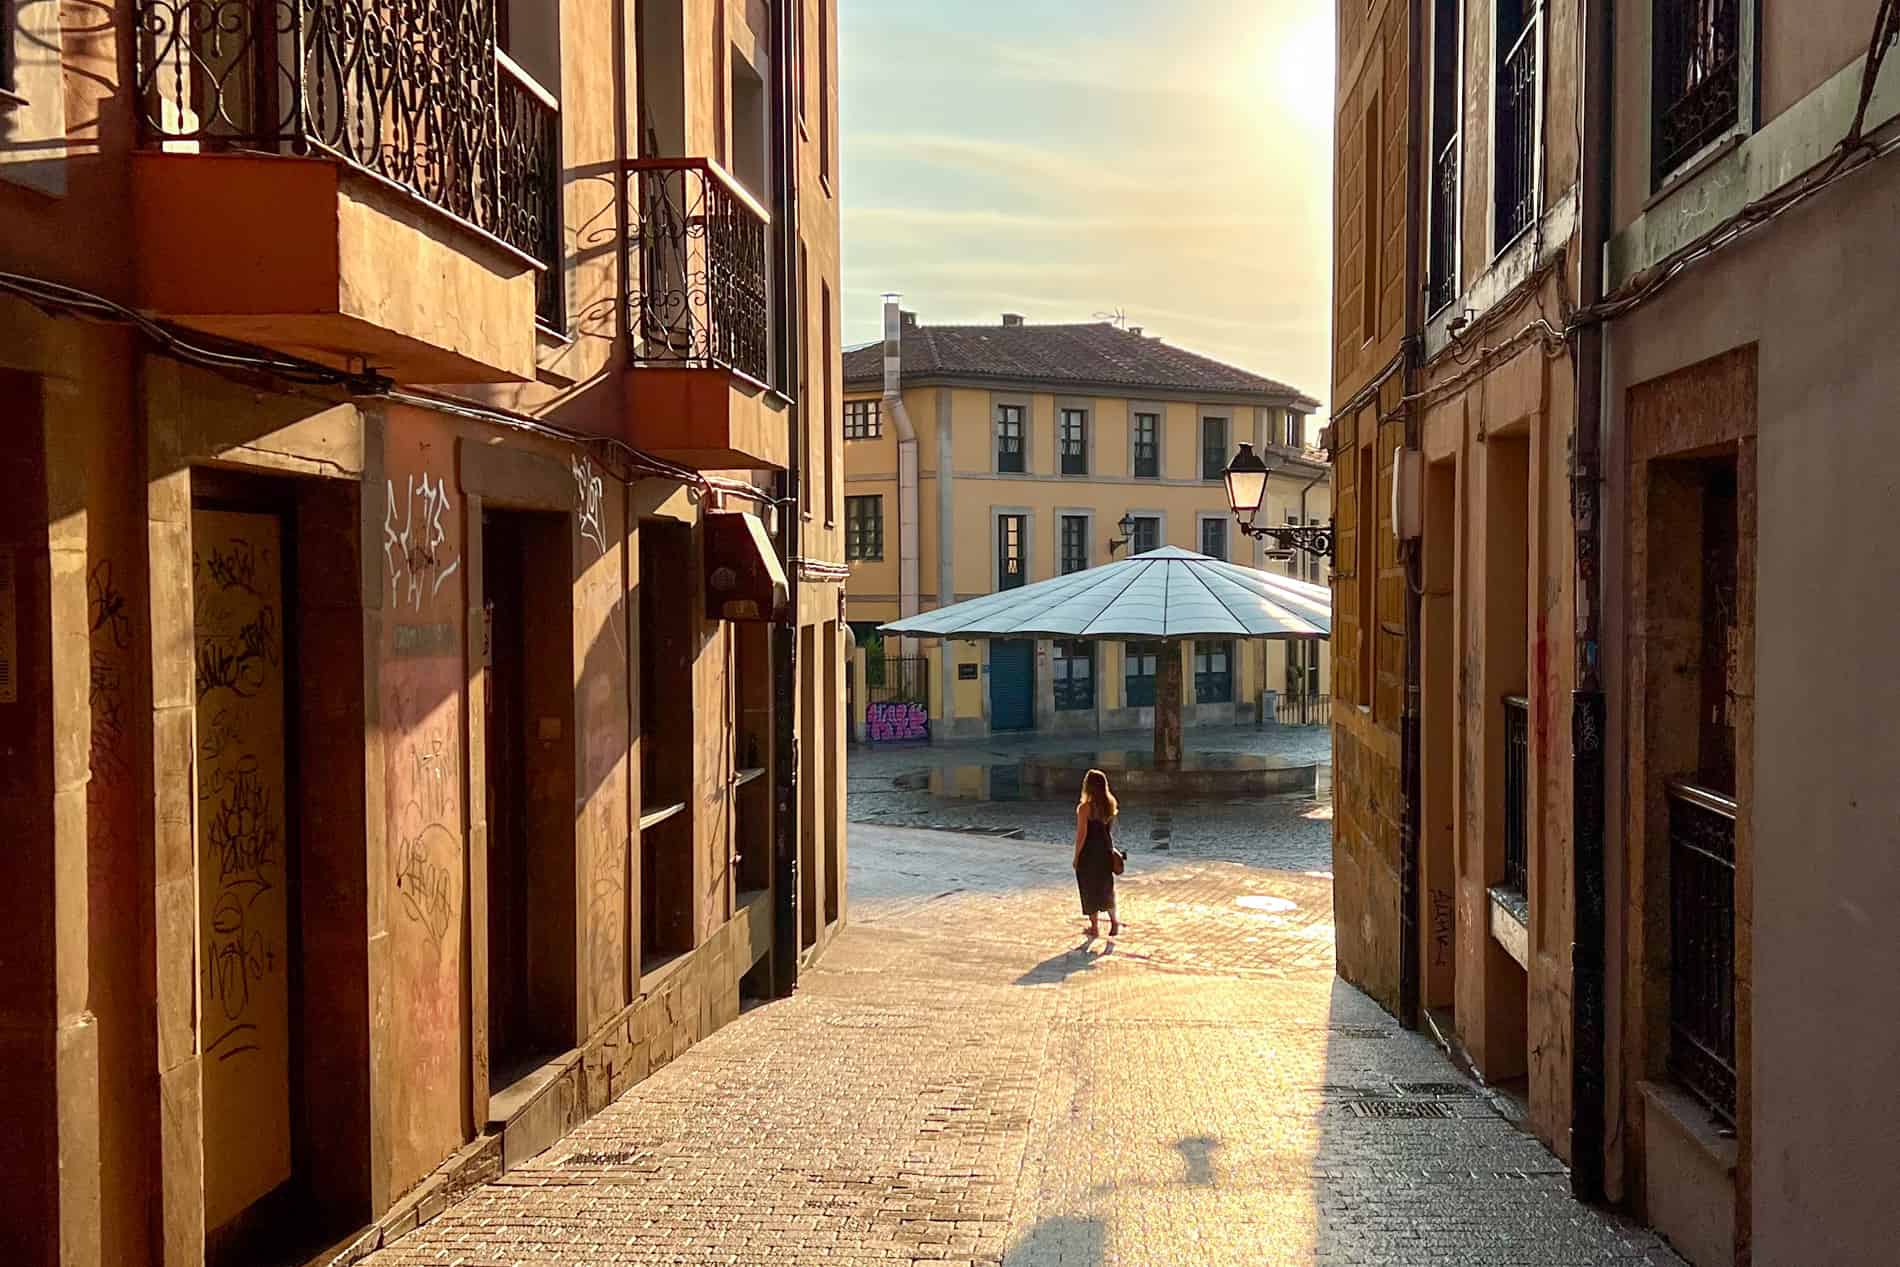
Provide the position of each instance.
(1246, 478)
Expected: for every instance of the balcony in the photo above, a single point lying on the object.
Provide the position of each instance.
(367, 186)
(1696, 71)
(1442, 262)
(700, 301)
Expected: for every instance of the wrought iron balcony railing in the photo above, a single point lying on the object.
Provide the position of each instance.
(1442, 265)
(700, 289)
(1517, 825)
(405, 90)
(1695, 77)
(528, 122)
(1702, 945)
(1519, 93)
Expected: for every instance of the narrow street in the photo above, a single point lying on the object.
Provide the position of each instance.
(963, 1080)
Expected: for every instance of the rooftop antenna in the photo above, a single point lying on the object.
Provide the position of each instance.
(1118, 317)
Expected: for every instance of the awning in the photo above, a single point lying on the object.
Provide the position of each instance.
(743, 578)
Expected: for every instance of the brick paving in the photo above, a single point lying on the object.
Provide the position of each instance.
(963, 1080)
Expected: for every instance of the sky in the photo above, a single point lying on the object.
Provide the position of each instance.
(1069, 158)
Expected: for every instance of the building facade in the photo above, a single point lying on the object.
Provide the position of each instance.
(1639, 254)
(980, 458)
(421, 618)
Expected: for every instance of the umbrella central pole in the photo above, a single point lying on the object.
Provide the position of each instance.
(1169, 676)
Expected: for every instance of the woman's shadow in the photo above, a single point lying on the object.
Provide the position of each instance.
(1059, 968)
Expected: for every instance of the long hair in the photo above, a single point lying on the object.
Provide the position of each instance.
(1100, 802)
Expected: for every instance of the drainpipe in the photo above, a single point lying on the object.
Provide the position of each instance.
(1588, 1000)
(1409, 763)
(785, 669)
(907, 502)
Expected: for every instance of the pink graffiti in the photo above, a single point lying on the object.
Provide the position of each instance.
(896, 723)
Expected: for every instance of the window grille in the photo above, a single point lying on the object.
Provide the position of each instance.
(1695, 79)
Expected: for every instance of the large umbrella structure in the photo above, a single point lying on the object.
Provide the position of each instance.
(1167, 595)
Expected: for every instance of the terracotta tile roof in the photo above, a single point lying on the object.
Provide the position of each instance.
(1096, 354)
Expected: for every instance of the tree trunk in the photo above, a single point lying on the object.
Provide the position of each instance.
(1168, 690)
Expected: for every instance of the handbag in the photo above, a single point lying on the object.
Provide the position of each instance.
(1117, 860)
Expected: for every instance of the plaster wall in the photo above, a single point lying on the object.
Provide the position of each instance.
(1825, 383)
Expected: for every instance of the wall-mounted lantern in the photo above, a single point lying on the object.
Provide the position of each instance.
(1246, 478)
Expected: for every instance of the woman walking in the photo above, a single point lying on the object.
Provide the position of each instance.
(1096, 857)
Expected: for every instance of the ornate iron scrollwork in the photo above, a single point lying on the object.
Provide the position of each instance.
(1314, 539)
(701, 294)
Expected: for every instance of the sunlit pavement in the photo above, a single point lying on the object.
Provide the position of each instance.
(964, 1080)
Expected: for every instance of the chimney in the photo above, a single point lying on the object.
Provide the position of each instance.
(1012, 318)
(1135, 330)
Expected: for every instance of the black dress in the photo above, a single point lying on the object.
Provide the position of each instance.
(1094, 872)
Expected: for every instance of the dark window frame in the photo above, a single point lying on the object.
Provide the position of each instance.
(1012, 439)
(1152, 525)
(1214, 457)
(864, 533)
(863, 419)
(1215, 522)
(1146, 465)
(1697, 80)
(1072, 537)
(1072, 440)
(1012, 551)
(1074, 692)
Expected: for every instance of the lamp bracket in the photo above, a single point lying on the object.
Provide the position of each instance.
(1312, 539)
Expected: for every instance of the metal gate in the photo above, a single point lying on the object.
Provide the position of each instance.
(897, 708)
(1013, 684)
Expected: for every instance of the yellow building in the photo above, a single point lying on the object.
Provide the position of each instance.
(980, 458)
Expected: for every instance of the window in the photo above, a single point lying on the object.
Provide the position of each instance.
(1074, 667)
(1695, 79)
(1213, 448)
(1369, 226)
(1073, 431)
(1012, 560)
(1147, 535)
(824, 93)
(1214, 538)
(1519, 99)
(830, 419)
(864, 527)
(1213, 673)
(1009, 438)
(862, 420)
(1147, 440)
(1139, 662)
(1302, 668)
(1075, 543)
(1441, 266)
(1295, 430)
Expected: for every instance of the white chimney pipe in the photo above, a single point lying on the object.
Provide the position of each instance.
(908, 586)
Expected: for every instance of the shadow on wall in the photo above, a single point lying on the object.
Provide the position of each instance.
(1059, 1242)
(1198, 1152)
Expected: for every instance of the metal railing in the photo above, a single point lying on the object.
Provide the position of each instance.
(1303, 710)
(1517, 833)
(1442, 264)
(1702, 945)
(1518, 97)
(528, 124)
(699, 294)
(897, 680)
(1696, 78)
(405, 91)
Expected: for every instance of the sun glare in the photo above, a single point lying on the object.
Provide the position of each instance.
(1296, 66)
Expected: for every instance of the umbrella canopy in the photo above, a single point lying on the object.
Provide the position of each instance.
(1163, 594)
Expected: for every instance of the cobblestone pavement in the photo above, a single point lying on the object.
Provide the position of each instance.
(963, 1079)
(892, 786)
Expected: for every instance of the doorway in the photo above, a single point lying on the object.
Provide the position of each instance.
(1013, 684)
(527, 671)
(280, 820)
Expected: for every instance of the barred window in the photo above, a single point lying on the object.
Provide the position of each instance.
(1074, 432)
(1147, 446)
(862, 420)
(1009, 438)
(864, 527)
(1695, 79)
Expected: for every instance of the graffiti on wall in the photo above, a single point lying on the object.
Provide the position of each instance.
(110, 624)
(243, 902)
(587, 496)
(417, 551)
(896, 723)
